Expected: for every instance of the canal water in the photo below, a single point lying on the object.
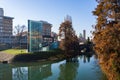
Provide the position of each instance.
(78, 68)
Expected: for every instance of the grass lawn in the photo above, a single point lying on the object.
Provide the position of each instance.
(15, 51)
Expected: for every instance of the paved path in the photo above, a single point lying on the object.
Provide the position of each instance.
(5, 56)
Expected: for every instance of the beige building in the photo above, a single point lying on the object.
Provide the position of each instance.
(6, 24)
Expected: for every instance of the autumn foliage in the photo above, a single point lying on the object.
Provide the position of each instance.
(69, 40)
(107, 37)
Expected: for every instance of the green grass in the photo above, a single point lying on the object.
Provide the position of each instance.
(15, 51)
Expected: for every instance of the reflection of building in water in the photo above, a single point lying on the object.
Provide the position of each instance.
(5, 72)
(39, 72)
(88, 59)
(20, 73)
(25, 73)
(84, 59)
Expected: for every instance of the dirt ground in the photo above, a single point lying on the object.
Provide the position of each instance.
(5, 57)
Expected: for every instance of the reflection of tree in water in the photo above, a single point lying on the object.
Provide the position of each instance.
(20, 73)
(86, 57)
(98, 72)
(39, 72)
(68, 70)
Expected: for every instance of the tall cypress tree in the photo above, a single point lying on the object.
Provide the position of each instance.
(107, 37)
(69, 40)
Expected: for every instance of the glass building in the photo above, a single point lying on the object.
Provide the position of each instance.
(34, 35)
(39, 35)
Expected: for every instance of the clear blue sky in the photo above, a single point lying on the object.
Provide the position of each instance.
(52, 11)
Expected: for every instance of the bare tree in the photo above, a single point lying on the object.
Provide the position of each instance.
(18, 35)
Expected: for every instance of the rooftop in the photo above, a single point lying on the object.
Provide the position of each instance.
(7, 17)
(41, 21)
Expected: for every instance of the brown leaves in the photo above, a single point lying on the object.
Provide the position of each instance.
(67, 36)
(107, 36)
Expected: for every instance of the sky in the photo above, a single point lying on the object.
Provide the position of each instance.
(52, 11)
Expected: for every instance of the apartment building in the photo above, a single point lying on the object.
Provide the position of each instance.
(6, 24)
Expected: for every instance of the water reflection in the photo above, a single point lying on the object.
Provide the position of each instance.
(39, 72)
(20, 73)
(31, 73)
(86, 57)
(77, 68)
(5, 72)
(68, 70)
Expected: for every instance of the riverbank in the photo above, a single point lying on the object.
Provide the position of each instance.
(31, 57)
(54, 55)
(38, 56)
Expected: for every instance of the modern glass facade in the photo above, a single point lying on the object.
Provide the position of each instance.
(39, 36)
(34, 36)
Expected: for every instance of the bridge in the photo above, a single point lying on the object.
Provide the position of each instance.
(86, 47)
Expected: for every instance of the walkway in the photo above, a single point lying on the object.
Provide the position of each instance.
(5, 57)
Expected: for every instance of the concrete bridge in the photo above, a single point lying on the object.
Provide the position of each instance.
(86, 47)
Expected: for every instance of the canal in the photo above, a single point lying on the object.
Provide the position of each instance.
(79, 68)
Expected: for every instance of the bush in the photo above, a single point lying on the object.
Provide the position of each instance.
(36, 56)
